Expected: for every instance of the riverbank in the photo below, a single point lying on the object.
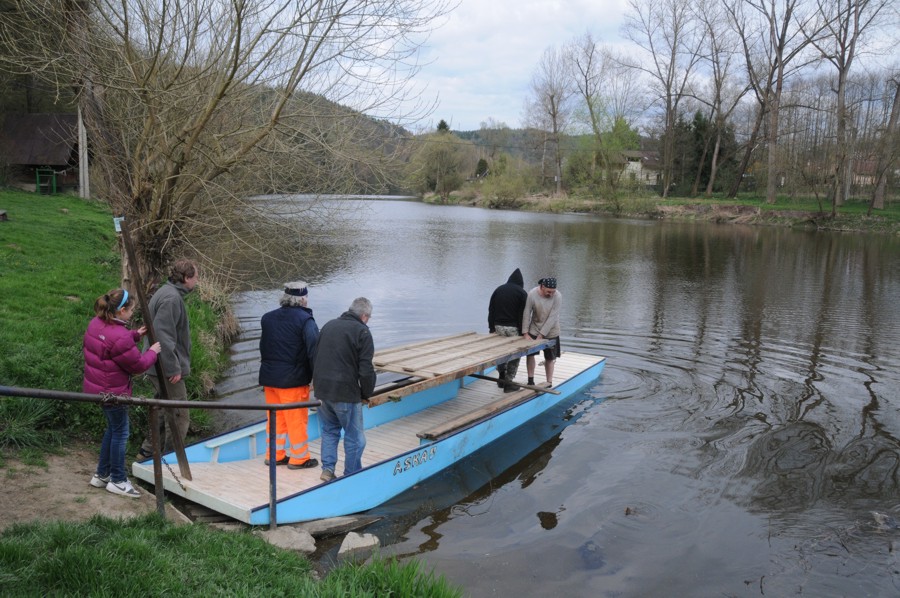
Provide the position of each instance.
(85, 541)
(800, 213)
(60, 535)
(57, 255)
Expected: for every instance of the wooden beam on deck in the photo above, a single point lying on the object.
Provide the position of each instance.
(514, 347)
(416, 346)
(479, 414)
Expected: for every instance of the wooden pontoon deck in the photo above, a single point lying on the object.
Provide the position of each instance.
(236, 488)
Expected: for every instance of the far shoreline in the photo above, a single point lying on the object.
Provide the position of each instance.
(710, 210)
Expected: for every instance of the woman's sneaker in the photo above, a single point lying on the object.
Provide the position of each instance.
(123, 488)
(99, 482)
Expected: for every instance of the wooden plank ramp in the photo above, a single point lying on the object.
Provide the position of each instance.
(237, 487)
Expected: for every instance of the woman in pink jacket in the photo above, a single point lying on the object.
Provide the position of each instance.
(111, 357)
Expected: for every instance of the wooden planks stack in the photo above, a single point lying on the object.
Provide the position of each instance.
(438, 361)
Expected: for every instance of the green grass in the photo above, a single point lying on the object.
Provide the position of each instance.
(147, 556)
(799, 203)
(57, 255)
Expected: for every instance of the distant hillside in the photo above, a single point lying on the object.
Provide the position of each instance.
(526, 144)
(366, 157)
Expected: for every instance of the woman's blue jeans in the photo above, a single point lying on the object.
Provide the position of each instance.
(115, 441)
(333, 417)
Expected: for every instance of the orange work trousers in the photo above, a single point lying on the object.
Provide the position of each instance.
(291, 438)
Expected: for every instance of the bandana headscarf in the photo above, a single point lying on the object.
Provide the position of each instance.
(550, 283)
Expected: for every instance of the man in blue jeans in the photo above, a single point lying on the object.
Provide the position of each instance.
(343, 379)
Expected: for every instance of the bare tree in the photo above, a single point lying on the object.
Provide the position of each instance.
(186, 100)
(494, 135)
(774, 36)
(668, 32)
(846, 24)
(888, 146)
(549, 106)
(725, 89)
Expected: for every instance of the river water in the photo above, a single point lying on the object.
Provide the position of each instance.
(742, 440)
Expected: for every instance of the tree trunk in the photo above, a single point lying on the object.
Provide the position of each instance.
(715, 162)
(840, 167)
(558, 167)
(696, 186)
(885, 155)
(772, 138)
(748, 151)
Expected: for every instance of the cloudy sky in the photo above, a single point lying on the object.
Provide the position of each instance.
(479, 63)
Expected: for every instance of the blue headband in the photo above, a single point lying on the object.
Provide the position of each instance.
(297, 292)
(124, 299)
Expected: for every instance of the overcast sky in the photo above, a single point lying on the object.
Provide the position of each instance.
(479, 62)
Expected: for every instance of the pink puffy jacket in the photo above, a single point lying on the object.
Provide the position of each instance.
(111, 356)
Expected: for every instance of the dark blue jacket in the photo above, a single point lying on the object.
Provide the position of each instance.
(344, 371)
(287, 347)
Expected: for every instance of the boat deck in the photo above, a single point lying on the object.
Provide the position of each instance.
(237, 487)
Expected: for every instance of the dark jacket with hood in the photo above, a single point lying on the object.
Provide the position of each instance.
(287, 347)
(508, 303)
(344, 372)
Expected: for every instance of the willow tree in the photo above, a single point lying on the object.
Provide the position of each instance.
(608, 97)
(191, 106)
(440, 162)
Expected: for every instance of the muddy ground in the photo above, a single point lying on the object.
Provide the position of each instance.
(60, 491)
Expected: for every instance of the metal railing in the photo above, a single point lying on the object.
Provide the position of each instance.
(155, 405)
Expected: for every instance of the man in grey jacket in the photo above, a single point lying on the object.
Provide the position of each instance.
(173, 331)
(344, 379)
(541, 321)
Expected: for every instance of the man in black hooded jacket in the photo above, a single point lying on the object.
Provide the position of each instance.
(505, 318)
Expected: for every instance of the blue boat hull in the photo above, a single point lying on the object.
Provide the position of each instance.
(465, 415)
(376, 484)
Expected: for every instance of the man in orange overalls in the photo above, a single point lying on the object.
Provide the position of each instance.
(287, 347)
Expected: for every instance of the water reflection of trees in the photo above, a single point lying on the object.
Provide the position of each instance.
(778, 328)
(795, 465)
(280, 238)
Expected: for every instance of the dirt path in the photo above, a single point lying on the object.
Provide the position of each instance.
(61, 491)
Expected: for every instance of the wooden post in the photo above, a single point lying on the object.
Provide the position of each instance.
(273, 499)
(520, 385)
(177, 441)
(158, 488)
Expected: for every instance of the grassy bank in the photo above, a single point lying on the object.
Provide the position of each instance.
(148, 557)
(805, 212)
(57, 255)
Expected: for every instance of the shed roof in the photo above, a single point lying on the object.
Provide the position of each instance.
(38, 139)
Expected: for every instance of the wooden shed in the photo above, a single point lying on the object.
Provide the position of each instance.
(39, 152)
